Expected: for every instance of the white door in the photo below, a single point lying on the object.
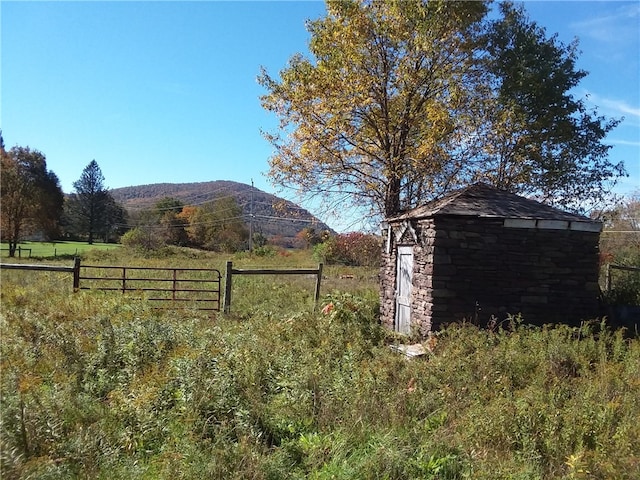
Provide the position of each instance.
(404, 282)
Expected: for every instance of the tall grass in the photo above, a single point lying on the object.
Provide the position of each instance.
(100, 386)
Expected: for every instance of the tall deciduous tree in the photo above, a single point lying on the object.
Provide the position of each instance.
(31, 196)
(114, 223)
(620, 240)
(171, 226)
(91, 210)
(406, 100)
(541, 139)
(218, 226)
(372, 115)
(163, 224)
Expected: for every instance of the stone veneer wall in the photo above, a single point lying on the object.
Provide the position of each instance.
(422, 276)
(475, 268)
(387, 286)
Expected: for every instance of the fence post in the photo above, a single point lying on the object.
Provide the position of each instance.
(318, 280)
(76, 274)
(174, 284)
(227, 288)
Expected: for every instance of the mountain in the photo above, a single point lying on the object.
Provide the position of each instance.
(278, 219)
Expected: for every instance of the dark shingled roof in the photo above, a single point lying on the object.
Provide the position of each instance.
(482, 200)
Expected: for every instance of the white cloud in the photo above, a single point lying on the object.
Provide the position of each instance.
(621, 107)
(613, 106)
(618, 27)
(624, 142)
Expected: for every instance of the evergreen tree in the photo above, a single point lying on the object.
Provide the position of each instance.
(91, 211)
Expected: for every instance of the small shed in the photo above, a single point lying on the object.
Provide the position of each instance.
(481, 253)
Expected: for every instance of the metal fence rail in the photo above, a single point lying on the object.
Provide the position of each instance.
(169, 287)
(48, 268)
(230, 271)
(617, 267)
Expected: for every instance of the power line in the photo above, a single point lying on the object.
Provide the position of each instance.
(186, 225)
(251, 220)
(225, 219)
(188, 204)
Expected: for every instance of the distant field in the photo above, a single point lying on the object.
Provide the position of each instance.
(54, 249)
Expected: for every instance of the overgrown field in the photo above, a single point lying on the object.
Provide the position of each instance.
(100, 386)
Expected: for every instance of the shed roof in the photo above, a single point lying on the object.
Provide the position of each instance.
(482, 200)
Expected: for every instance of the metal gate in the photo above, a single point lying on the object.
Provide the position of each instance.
(197, 288)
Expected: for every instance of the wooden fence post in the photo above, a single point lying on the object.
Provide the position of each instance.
(227, 288)
(76, 274)
(318, 280)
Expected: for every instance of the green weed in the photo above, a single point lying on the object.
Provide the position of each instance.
(99, 385)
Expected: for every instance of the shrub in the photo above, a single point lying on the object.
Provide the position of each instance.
(625, 285)
(138, 238)
(355, 249)
(264, 251)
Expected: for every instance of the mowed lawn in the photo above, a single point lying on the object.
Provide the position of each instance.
(54, 249)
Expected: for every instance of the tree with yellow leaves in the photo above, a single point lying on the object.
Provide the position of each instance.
(406, 100)
(30, 195)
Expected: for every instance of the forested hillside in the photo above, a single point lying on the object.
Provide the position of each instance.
(278, 219)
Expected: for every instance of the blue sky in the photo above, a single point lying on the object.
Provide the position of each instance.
(167, 92)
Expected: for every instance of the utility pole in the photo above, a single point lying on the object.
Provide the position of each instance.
(251, 220)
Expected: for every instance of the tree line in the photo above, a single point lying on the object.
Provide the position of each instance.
(217, 225)
(34, 206)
